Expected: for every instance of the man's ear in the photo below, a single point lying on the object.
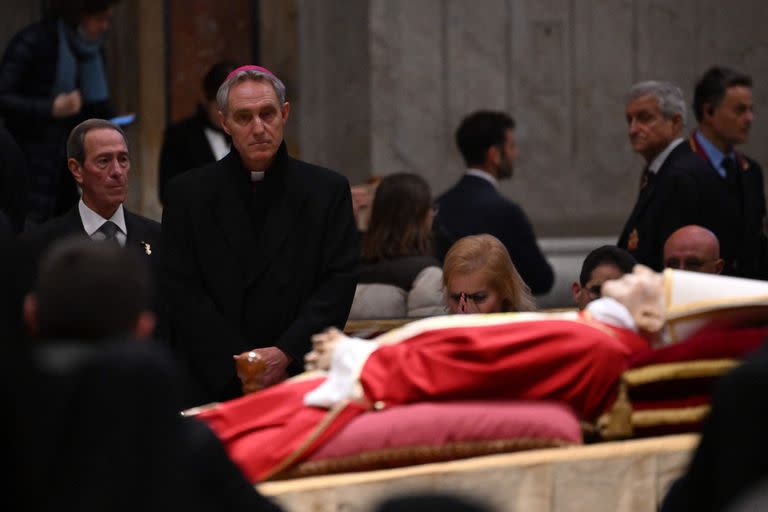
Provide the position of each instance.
(30, 314)
(708, 110)
(285, 111)
(493, 155)
(719, 264)
(145, 325)
(575, 291)
(223, 122)
(76, 169)
(677, 120)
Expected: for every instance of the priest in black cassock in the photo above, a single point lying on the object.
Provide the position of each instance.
(261, 249)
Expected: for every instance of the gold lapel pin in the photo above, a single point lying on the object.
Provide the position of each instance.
(147, 247)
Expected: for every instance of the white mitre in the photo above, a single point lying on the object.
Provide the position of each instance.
(694, 299)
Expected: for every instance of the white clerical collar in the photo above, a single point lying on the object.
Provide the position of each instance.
(484, 175)
(257, 175)
(92, 221)
(662, 157)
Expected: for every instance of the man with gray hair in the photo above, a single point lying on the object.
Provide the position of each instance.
(98, 158)
(260, 249)
(668, 197)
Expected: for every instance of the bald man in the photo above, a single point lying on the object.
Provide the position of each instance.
(693, 248)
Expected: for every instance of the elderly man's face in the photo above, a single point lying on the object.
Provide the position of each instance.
(642, 293)
(649, 131)
(255, 119)
(103, 175)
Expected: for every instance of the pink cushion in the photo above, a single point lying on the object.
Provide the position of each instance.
(441, 424)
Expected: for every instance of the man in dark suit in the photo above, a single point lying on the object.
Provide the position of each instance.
(196, 140)
(98, 159)
(723, 108)
(260, 249)
(672, 194)
(475, 205)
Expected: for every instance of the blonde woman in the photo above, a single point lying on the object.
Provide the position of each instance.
(479, 277)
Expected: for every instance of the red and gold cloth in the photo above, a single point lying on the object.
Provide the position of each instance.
(514, 356)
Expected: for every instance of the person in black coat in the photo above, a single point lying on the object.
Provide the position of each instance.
(260, 250)
(673, 188)
(475, 206)
(52, 77)
(110, 435)
(732, 456)
(196, 140)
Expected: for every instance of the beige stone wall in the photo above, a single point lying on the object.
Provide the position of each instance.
(398, 76)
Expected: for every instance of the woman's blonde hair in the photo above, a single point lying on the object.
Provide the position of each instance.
(487, 255)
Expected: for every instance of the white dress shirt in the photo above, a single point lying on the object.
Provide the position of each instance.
(484, 175)
(92, 221)
(662, 157)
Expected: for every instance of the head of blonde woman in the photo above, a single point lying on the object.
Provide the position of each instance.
(479, 277)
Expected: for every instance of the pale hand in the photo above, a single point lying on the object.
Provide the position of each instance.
(67, 104)
(467, 306)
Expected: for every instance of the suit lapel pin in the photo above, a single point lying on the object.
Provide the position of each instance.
(147, 247)
(634, 240)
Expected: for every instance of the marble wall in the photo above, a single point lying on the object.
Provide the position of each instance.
(398, 76)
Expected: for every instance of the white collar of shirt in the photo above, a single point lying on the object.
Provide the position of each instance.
(484, 175)
(218, 143)
(92, 221)
(661, 157)
(257, 175)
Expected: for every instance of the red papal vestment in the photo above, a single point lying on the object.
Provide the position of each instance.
(511, 356)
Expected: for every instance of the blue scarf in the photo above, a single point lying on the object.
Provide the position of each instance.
(80, 66)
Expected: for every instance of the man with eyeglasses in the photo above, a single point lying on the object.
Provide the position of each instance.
(693, 248)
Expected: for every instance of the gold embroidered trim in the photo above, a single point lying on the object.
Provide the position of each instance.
(411, 455)
(672, 371)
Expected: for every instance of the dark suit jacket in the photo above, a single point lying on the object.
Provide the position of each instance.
(739, 225)
(111, 422)
(32, 245)
(679, 195)
(234, 283)
(687, 190)
(474, 206)
(185, 147)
